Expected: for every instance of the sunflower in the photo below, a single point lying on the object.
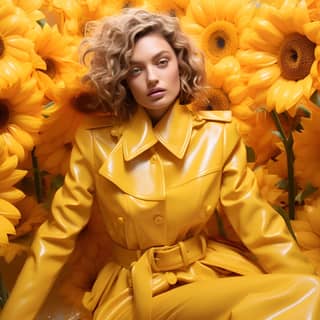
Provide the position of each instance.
(306, 149)
(217, 98)
(76, 14)
(284, 39)
(216, 27)
(58, 54)
(16, 49)
(62, 120)
(307, 230)
(9, 176)
(20, 115)
(32, 215)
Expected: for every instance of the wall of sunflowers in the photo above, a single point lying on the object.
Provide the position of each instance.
(263, 63)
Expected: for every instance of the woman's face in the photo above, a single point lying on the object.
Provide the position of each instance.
(153, 77)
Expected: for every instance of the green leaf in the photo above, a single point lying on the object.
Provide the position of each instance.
(279, 135)
(299, 127)
(57, 182)
(303, 111)
(42, 22)
(306, 192)
(49, 104)
(282, 184)
(315, 98)
(284, 214)
(251, 156)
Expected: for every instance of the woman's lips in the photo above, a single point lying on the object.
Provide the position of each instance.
(156, 93)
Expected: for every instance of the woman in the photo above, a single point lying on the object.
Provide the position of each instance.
(158, 172)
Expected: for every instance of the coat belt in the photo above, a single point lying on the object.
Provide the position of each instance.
(142, 263)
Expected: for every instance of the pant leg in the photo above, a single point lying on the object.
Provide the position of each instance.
(260, 297)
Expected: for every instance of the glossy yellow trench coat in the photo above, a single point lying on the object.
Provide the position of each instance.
(157, 189)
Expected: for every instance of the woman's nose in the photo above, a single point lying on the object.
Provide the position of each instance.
(152, 78)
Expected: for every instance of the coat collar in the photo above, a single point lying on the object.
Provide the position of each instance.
(173, 131)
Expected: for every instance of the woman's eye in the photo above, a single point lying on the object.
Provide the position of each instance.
(135, 71)
(163, 62)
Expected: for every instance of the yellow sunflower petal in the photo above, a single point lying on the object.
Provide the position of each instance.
(289, 94)
(312, 31)
(12, 195)
(211, 8)
(264, 77)
(250, 39)
(314, 219)
(300, 16)
(267, 31)
(14, 147)
(11, 180)
(6, 228)
(198, 13)
(7, 166)
(256, 58)
(9, 211)
(22, 136)
(301, 226)
(238, 93)
(27, 122)
(273, 92)
(308, 240)
(231, 81)
(307, 86)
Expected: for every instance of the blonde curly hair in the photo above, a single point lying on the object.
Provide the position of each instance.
(109, 49)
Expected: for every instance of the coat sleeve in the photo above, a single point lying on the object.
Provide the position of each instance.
(55, 239)
(257, 224)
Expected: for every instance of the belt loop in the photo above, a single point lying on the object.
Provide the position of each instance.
(184, 253)
(153, 259)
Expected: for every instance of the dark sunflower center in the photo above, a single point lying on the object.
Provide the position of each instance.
(1, 47)
(4, 113)
(296, 56)
(220, 42)
(51, 68)
(219, 39)
(218, 100)
(85, 102)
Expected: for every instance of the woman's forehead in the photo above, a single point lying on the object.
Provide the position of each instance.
(150, 45)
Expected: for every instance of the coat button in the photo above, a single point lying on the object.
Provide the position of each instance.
(158, 219)
(209, 208)
(121, 220)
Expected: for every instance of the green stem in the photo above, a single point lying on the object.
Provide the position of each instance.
(288, 144)
(36, 176)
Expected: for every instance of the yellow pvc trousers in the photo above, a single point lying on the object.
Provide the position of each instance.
(258, 297)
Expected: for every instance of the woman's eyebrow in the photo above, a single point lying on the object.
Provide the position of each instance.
(157, 55)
